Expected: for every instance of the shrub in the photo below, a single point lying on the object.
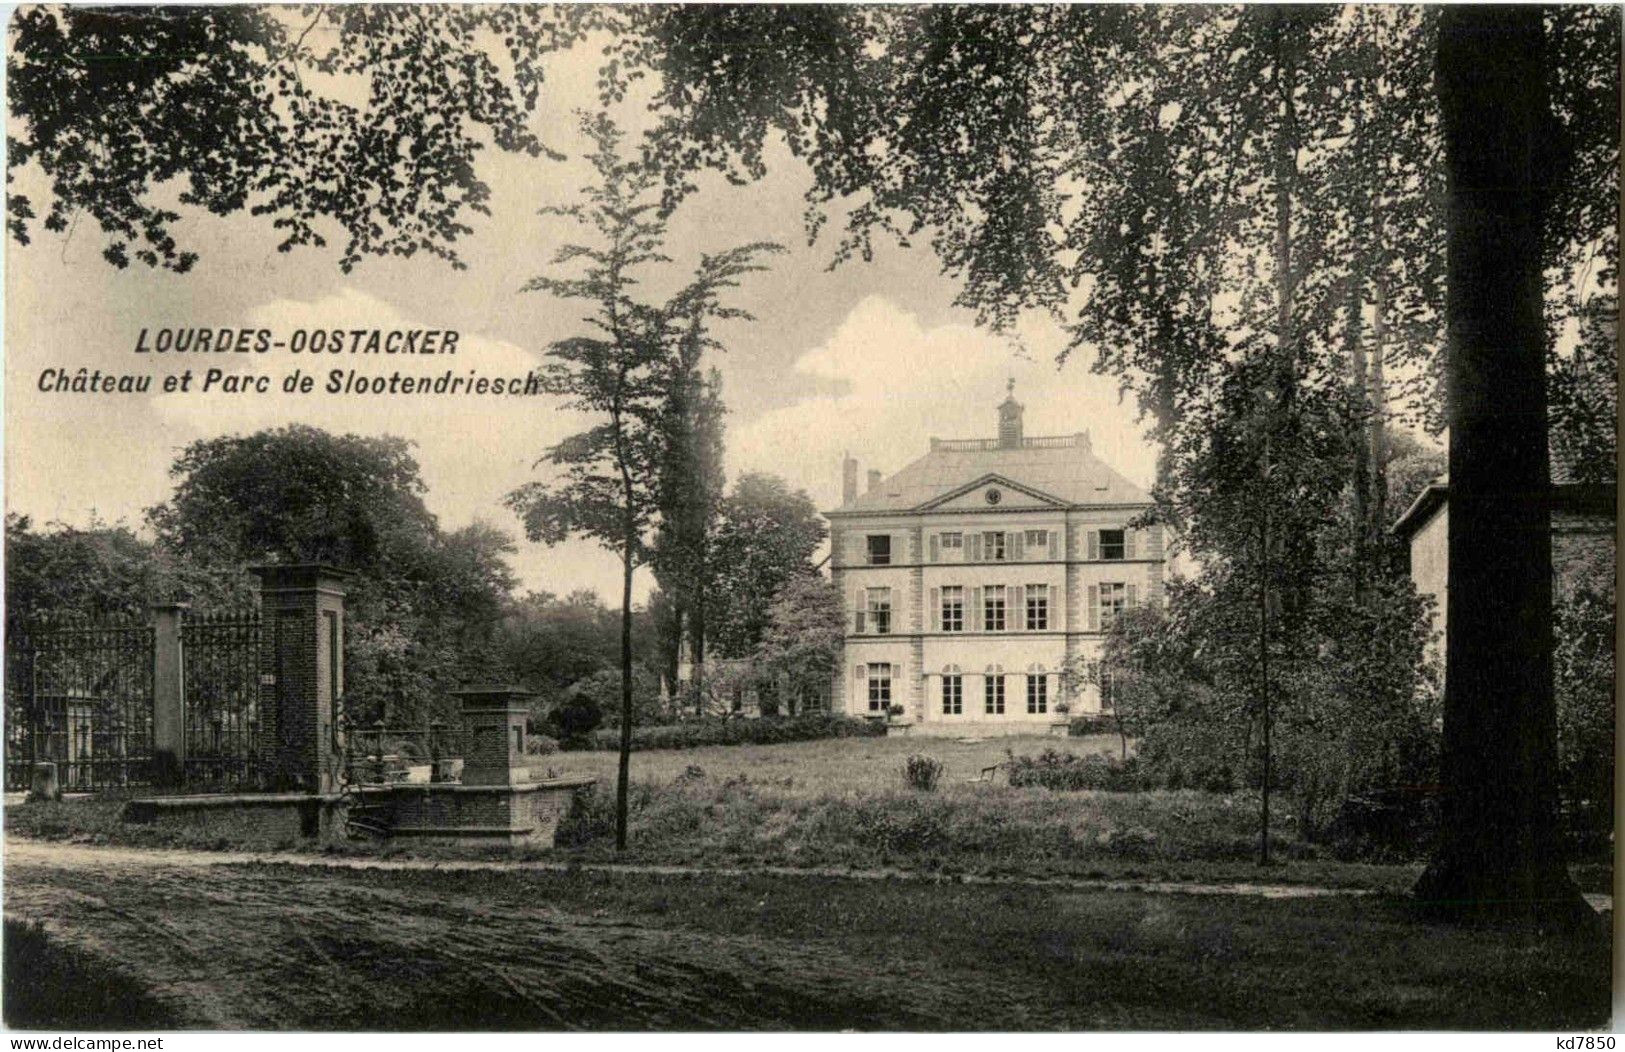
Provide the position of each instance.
(1065, 772)
(922, 773)
(577, 716)
(541, 745)
(1082, 726)
(695, 734)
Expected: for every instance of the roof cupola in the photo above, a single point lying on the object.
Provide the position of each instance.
(1010, 418)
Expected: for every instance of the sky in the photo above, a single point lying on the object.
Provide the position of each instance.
(871, 358)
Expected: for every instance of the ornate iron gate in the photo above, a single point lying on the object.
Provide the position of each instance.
(80, 695)
(221, 658)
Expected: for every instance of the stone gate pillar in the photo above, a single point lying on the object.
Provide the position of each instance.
(301, 674)
(168, 695)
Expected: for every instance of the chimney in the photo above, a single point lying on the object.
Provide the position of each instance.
(1010, 419)
(874, 481)
(849, 479)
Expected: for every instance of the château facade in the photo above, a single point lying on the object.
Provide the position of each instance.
(972, 577)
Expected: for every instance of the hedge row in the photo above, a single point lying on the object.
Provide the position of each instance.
(765, 731)
(1083, 726)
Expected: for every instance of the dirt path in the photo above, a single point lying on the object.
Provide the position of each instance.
(265, 949)
(298, 942)
(58, 853)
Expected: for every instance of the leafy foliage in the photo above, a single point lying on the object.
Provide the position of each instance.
(694, 734)
(765, 537)
(102, 572)
(802, 642)
(922, 773)
(1585, 667)
(425, 604)
(367, 119)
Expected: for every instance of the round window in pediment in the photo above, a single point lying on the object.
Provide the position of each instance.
(993, 495)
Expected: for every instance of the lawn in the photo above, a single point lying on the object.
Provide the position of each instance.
(833, 765)
(834, 805)
(528, 950)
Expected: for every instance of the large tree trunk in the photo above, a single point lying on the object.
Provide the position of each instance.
(1498, 849)
(624, 770)
(1359, 381)
(696, 651)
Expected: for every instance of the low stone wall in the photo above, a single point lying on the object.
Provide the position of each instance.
(271, 816)
(524, 813)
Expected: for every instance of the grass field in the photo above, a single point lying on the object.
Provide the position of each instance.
(282, 947)
(843, 804)
(833, 765)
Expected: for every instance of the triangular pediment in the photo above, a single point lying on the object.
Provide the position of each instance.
(1012, 495)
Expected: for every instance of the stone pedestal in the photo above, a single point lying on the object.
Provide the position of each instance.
(302, 674)
(497, 802)
(494, 734)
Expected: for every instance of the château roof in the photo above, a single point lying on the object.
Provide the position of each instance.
(1063, 467)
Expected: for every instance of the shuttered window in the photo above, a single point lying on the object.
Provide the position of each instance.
(993, 609)
(879, 687)
(1037, 608)
(879, 600)
(952, 608)
(1113, 600)
(1112, 545)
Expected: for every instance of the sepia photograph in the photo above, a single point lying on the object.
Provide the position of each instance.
(832, 518)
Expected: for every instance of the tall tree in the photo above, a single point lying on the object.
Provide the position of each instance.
(620, 372)
(691, 488)
(1498, 841)
(765, 537)
(425, 605)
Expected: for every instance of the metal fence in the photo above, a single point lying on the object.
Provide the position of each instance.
(221, 671)
(80, 694)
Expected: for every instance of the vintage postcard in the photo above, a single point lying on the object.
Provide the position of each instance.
(821, 518)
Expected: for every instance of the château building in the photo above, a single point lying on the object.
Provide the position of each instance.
(972, 577)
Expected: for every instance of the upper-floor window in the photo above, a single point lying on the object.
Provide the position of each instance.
(1111, 544)
(1037, 608)
(1037, 542)
(993, 546)
(1113, 599)
(993, 608)
(953, 608)
(879, 549)
(879, 603)
(879, 687)
(951, 546)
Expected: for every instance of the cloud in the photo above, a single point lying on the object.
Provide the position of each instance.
(903, 383)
